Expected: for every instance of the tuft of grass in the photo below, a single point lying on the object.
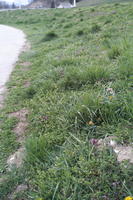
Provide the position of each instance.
(103, 108)
(80, 33)
(29, 92)
(49, 36)
(108, 21)
(76, 78)
(68, 25)
(95, 28)
(92, 9)
(114, 52)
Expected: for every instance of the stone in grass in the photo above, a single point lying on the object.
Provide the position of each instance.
(16, 159)
(123, 152)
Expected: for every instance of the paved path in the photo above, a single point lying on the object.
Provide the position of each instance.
(11, 43)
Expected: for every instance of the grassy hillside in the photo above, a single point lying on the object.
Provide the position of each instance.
(76, 83)
(98, 2)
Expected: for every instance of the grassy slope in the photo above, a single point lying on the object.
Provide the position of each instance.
(98, 2)
(76, 56)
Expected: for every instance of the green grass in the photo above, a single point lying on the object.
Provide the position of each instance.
(76, 55)
(84, 3)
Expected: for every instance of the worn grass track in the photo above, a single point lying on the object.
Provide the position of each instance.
(76, 56)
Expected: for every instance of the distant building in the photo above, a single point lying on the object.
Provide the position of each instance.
(51, 4)
(67, 4)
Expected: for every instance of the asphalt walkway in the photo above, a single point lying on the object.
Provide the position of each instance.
(11, 42)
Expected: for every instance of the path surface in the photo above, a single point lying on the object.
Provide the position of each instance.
(11, 42)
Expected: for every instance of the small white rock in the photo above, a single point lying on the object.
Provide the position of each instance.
(16, 160)
(113, 143)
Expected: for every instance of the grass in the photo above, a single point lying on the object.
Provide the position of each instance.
(75, 60)
(84, 3)
(95, 28)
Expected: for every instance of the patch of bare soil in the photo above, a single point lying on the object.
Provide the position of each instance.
(21, 126)
(16, 159)
(122, 152)
(1, 101)
(19, 130)
(21, 115)
(25, 64)
(26, 47)
(25, 69)
(27, 84)
(3, 92)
